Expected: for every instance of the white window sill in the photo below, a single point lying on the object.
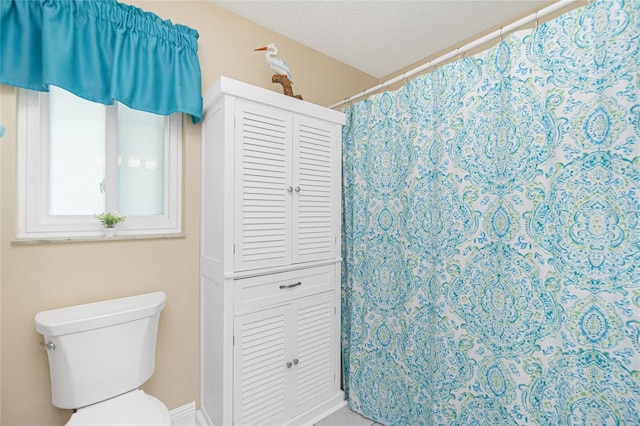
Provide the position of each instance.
(52, 240)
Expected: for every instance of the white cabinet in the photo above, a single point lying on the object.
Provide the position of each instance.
(261, 380)
(284, 361)
(270, 258)
(264, 182)
(286, 185)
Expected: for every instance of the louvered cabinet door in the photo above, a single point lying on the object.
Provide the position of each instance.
(317, 190)
(261, 376)
(263, 190)
(314, 351)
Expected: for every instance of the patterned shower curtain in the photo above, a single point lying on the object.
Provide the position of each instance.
(492, 233)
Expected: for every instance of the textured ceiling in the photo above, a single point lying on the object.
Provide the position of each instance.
(381, 37)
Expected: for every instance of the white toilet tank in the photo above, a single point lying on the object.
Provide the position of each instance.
(102, 349)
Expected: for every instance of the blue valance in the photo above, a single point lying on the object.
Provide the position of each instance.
(101, 50)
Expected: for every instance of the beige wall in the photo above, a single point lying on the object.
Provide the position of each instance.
(46, 276)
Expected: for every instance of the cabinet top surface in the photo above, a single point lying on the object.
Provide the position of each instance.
(239, 89)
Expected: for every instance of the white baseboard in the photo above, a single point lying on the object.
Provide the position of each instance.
(329, 411)
(184, 415)
(309, 418)
(319, 412)
(201, 419)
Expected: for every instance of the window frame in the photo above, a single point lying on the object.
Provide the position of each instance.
(34, 220)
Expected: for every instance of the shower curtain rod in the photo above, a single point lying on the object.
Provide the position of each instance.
(498, 33)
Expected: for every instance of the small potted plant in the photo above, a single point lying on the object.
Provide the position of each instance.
(109, 221)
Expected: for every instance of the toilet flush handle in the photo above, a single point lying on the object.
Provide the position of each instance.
(48, 346)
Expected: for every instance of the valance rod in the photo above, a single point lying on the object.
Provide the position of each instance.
(498, 33)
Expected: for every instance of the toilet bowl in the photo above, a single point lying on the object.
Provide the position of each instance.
(99, 354)
(134, 408)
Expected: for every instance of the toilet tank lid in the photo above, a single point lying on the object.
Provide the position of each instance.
(74, 319)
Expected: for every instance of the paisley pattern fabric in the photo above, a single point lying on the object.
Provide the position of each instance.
(491, 245)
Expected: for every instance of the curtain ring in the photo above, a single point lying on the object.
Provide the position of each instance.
(537, 23)
(501, 38)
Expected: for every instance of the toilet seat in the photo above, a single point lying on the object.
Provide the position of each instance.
(132, 408)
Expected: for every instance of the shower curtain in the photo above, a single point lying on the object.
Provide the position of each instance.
(491, 271)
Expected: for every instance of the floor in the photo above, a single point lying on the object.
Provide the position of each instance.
(346, 417)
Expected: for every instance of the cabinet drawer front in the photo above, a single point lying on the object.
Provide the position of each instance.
(256, 292)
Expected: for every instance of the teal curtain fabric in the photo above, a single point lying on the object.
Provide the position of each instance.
(101, 50)
(492, 233)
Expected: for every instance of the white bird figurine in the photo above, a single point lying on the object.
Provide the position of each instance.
(278, 65)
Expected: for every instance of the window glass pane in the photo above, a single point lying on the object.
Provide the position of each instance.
(140, 162)
(76, 154)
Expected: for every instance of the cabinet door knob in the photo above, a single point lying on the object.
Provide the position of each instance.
(290, 188)
(295, 361)
(289, 364)
(297, 189)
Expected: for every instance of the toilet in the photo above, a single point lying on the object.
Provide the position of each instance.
(99, 354)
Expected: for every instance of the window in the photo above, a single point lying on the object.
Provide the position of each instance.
(78, 158)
